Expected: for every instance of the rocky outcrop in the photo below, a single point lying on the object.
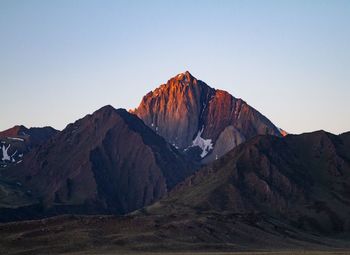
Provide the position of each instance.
(189, 113)
(173, 109)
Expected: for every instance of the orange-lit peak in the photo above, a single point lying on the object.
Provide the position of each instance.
(185, 76)
(283, 132)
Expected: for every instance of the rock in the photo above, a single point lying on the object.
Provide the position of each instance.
(185, 106)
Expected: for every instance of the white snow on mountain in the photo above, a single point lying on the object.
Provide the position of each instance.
(15, 139)
(205, 144)
(5, 155)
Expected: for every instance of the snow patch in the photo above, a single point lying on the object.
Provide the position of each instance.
(205, 144)
(13, 155)
(5, 155)
(15, 139)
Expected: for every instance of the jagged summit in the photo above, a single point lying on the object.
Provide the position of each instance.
(185, 76)
(194, 117)
(177, 83)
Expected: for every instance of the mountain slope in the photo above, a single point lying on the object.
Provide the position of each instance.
(106, 162)
(189, 113)
(19, 140)
(302, 181)
(268, 194)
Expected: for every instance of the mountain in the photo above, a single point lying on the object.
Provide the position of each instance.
(197, 118)
(261, 188)
(106, 162)
(302, 181)
(267, 194)
(19, 140)
(32, 136)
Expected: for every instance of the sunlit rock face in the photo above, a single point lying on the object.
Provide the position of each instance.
(173, 110)
(189, 113)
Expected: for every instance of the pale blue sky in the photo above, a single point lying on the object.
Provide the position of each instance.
(60, 60)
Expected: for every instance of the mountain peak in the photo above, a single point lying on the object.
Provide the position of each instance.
(14, 131)
(113, 153)
(189, 113)
(184, 77)
(186, 73)
(106, 108)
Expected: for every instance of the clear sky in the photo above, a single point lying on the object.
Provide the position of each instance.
(63, 59)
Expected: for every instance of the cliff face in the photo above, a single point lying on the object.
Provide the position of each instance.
(189, 113)
(108, 160)
(173, 109)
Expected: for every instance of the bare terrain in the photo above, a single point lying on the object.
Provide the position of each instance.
(156, 234)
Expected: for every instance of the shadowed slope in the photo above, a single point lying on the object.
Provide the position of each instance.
(106, 162)
(267, 194)
(301, 180)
